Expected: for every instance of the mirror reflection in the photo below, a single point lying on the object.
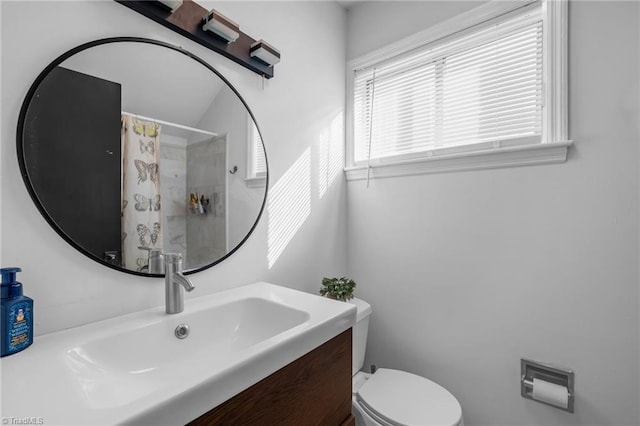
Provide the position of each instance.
(132, 146)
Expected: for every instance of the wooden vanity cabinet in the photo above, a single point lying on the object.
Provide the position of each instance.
(312, 390)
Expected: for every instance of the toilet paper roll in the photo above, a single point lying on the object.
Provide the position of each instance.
(550, 393)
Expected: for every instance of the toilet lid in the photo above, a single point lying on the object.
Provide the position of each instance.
(405, 399)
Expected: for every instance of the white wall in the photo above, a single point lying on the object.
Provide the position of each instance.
(467, 272)
(377, 23)
(70, 289)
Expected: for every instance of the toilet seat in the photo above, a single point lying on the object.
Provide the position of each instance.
(404, 399)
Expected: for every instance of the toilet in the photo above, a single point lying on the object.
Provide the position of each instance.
(393, 397)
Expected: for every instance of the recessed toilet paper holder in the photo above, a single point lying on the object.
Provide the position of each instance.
(530, 370)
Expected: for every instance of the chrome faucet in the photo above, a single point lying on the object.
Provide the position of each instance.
(173, 279)
(156, 261)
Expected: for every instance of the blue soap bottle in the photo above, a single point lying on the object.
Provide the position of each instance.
(16, 314)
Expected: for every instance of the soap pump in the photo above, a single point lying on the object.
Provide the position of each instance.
(16, 314)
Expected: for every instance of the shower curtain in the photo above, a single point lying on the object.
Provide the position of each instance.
(141, 215)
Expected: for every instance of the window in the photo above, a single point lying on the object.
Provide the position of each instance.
(256, 159)
(486, 92)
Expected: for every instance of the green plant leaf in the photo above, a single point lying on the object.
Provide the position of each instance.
(338, 288)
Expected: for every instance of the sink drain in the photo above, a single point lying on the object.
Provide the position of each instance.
(182, 331)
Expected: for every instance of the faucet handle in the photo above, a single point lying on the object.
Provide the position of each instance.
(172, 257)
(173, 262)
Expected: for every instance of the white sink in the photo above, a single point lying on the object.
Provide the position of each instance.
(134, 370)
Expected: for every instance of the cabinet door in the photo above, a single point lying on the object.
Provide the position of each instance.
(313, 390)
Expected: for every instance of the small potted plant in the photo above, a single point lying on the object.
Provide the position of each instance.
(338, 288)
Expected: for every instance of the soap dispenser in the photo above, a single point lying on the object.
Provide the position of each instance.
(16, 314)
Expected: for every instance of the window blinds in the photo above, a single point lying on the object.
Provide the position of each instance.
(483, 87)
(258, 161)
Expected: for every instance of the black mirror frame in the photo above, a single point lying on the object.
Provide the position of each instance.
(34, 196)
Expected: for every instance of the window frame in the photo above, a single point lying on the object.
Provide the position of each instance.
(554, 143)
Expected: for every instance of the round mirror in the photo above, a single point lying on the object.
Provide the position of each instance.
(131, 146)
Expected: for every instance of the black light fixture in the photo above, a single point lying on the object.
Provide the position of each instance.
(212, 30)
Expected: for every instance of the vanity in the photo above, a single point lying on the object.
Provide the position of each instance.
(256, 354)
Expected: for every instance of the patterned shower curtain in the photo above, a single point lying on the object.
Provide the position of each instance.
(141, 218)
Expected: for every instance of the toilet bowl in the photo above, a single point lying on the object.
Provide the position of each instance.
(393, 397)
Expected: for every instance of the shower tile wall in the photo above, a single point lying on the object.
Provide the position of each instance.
(207, 233)
(173, 178)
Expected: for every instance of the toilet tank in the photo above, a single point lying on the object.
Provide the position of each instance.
(360, 330)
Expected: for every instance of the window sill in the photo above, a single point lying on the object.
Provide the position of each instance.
(528, 155)
(255, 182)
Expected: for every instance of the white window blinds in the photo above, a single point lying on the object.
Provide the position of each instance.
(483, 87)
(258, 163)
